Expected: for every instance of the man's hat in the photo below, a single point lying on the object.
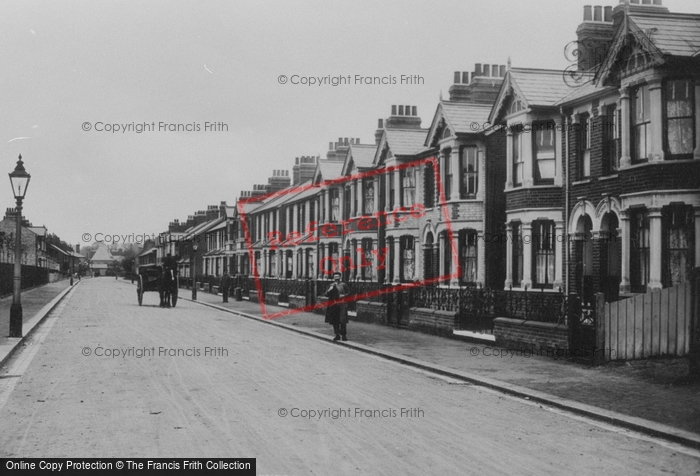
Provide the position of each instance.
(337, 273)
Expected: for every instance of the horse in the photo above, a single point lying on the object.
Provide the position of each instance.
(166, 286)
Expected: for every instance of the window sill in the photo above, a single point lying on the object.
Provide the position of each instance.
(522, 187)
(657, 162)
(581, 182)
(608, 177)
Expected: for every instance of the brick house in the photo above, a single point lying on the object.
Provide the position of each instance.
(635, 156)
(470, 165)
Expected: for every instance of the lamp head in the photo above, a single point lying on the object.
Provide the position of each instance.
(19, 179)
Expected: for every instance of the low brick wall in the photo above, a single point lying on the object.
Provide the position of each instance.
(370, 312)
(430, 321)
(296, 302)
(272, 299)
(519, 334)
(321, 310)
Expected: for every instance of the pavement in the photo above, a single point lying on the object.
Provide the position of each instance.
(636, 395)
(639, 395)
(36, 304)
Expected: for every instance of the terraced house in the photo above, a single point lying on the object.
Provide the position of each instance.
(574, 184)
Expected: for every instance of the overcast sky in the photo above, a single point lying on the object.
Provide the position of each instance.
(71, 62)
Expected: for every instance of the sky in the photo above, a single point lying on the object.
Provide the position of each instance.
(73, 69)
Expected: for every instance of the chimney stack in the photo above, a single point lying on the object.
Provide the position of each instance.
(378, 132)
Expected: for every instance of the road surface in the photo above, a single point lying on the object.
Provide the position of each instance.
(104, 377)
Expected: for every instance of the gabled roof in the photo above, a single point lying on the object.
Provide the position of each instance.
(203, 227)
(534, 87)
(360, 156)
(540, 87)
(675, 34)
(660, 34)
(405, 141)
(460, 117)
(146, 251)
(102, 254)
(58, 249)
(39, 230)
(328, 170)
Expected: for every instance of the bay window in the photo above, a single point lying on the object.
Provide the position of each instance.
(368, 196)
(585, 146)
(678, 243)
(543, 250)
(680, 118)
(517, 265)
(408, 187)
(335, 205)
(408, 259)
(469, 172)
(429, 185)
(641, 124)
(468, 256)
(544, 154)
(612, 140)
(518, 165)
(639, 251)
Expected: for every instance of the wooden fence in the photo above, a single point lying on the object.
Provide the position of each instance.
(657, 323)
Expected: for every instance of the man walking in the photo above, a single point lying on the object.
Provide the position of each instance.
(225, 285)
(336, 312)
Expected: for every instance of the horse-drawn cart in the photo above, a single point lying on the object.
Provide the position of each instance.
(164, 280)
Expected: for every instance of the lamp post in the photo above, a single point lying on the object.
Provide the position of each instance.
(193, 272)
(19, 179)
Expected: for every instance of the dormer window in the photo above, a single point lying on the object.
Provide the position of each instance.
(680, 118)
(544, 154)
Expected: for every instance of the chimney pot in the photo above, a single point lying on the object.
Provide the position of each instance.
(486, 70)
(607, 14)
(503, 71)
(380, 124)
(477, 70)
(658, 2)
(456, 81)
(414, 111)
(407, 110)
(346, 141)
(357, 140)
(393, 110)
(494, 70)
(587, 13)
(598, 13)
(465, 77)
(400, 110)
(646, 2)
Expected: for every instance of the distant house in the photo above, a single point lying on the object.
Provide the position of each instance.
(101, 261)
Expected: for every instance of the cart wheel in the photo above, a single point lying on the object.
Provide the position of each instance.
(173, 297)
(139, 290)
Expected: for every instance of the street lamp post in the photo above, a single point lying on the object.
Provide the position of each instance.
(193, 272)
(19, 179)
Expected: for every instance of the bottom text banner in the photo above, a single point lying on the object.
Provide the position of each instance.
(238, 466)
